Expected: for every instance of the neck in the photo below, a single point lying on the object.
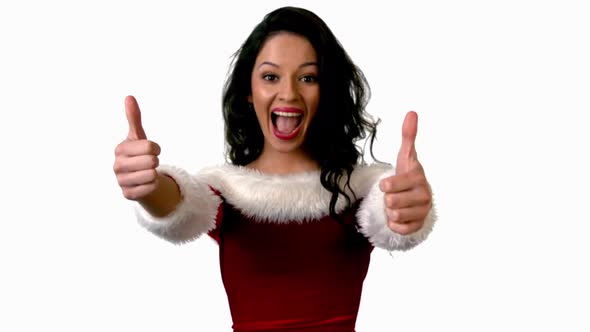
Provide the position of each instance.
(276, 162)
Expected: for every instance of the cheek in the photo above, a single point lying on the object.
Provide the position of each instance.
(260, 92)
(260, 115)
(313, 101)
(264, 95)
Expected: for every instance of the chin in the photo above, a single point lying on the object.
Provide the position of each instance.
(286, 147)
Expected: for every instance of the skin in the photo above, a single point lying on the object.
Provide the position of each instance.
(284, 75)
(136, 159)
(407, 194)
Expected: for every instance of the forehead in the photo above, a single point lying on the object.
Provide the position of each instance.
(286, 47)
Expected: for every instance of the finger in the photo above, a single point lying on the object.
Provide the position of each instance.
(137, 192)
(407, 151)
(409, 198)
(409, 132)
(407, 228)
(137, 148)
(137, 178)
(407, 215)
(134, 164)
(133, 114)
(403, 182)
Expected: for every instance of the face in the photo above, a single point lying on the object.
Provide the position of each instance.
(285, 91)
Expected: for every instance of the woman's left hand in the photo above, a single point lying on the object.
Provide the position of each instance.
(407, 194)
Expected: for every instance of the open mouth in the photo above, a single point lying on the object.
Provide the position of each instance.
(286, 122)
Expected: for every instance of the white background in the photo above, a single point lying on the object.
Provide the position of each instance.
(502, 92)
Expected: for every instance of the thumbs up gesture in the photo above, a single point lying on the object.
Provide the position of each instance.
(407, 195)
(136, 158)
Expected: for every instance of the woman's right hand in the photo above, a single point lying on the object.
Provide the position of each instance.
(136, 158)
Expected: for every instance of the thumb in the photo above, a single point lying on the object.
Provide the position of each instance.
(134, 119)
(407, 152)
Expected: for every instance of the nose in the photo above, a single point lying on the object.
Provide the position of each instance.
(288, 90)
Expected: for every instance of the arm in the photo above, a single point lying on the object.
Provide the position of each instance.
(170, 203)
(374, 221)
(194, 214)
(164, 199)
(398, 212)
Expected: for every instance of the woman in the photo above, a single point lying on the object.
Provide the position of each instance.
(296, 214)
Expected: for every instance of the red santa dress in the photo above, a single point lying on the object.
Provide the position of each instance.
(286, 265)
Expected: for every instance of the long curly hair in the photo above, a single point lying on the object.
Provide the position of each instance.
(340, 121)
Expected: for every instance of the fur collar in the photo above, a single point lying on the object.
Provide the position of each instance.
(284, 198)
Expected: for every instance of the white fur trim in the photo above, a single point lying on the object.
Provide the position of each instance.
(283, 198)
(194, 215)
(373, 222)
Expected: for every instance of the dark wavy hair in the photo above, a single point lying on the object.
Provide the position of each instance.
(340, 120)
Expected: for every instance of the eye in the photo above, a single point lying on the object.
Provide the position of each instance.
(270, 77)
(309, 78)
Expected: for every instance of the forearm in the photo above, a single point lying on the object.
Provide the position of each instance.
(163, 200)
(373, 220)
(182, 208)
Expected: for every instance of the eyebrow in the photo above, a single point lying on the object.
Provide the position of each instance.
(305, 64)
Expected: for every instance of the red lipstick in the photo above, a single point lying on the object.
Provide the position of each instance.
(287, 109)
(291, 111)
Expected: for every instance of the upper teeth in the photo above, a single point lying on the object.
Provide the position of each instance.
(290, 114)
